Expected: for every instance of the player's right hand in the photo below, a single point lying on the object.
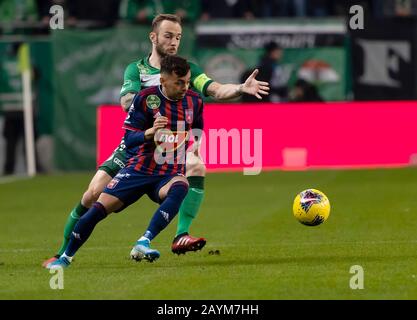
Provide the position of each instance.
(160, 122)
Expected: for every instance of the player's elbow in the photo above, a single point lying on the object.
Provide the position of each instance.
(126, 101)
(218, 97)
(224, 95)
(124, 105)
(215, 90)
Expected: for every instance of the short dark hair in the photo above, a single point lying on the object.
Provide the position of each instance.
(271, 46)
(173, 63)
(164, 16)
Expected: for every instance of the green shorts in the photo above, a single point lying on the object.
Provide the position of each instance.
(116, 161)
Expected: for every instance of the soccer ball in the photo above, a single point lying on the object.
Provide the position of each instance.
(311, 207)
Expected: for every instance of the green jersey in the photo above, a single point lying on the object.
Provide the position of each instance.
(141, 74)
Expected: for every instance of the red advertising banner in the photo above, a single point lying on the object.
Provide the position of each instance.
(255, 137)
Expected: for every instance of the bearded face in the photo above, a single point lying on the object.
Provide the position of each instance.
(167, 38)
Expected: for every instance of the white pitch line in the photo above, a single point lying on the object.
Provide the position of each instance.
(13, 179)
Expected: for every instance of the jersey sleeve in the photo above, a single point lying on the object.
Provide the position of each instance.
(134, 123)
(199, 79)
(131, 80)
(198, 122)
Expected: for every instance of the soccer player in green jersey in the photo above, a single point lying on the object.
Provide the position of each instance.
(165, 37)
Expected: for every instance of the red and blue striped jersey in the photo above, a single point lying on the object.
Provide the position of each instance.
(165, 154)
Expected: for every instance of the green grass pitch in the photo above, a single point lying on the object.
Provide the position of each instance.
(264, 252)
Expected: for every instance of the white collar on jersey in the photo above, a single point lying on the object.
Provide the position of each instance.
(160, 90)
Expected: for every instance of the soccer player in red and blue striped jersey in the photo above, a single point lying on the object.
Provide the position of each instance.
(157, 131)
(180, 115)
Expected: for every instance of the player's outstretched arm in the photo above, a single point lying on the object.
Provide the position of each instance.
(229, 91)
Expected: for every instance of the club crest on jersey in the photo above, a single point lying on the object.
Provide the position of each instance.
(153, 101)
(169, 141)
(113, 183)
(189, 116)
(143, 69)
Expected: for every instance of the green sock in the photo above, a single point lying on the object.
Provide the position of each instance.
(72, 220)
(191, 204)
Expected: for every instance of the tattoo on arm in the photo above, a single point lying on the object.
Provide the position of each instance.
(126, 101)
(224, 91)
(212, 88)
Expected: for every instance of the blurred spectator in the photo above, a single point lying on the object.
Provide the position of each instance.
(403, 8)
(400, 8)
(342, 7)
(282, 8)
(143, 11)
(272, 71)
(189, 11)
(319, 8)
(304, 91)
(14, 11)
(136, 11)
(227, 9)
(300, 8)
(91, 13)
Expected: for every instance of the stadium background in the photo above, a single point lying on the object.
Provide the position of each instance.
(88, 58)
(80, 68)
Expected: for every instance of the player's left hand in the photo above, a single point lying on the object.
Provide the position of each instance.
(254, 87)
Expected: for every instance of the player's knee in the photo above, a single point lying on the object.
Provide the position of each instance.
(95, 192)
(87, 199)
(91, 196)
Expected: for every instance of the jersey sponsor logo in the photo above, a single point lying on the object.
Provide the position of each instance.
(143, 69)
(189, 115)
(113, 183)
(150, 80)
(169, 141)
(153, 101)
(123, 175)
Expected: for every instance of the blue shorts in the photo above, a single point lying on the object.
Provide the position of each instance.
(130, 185)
